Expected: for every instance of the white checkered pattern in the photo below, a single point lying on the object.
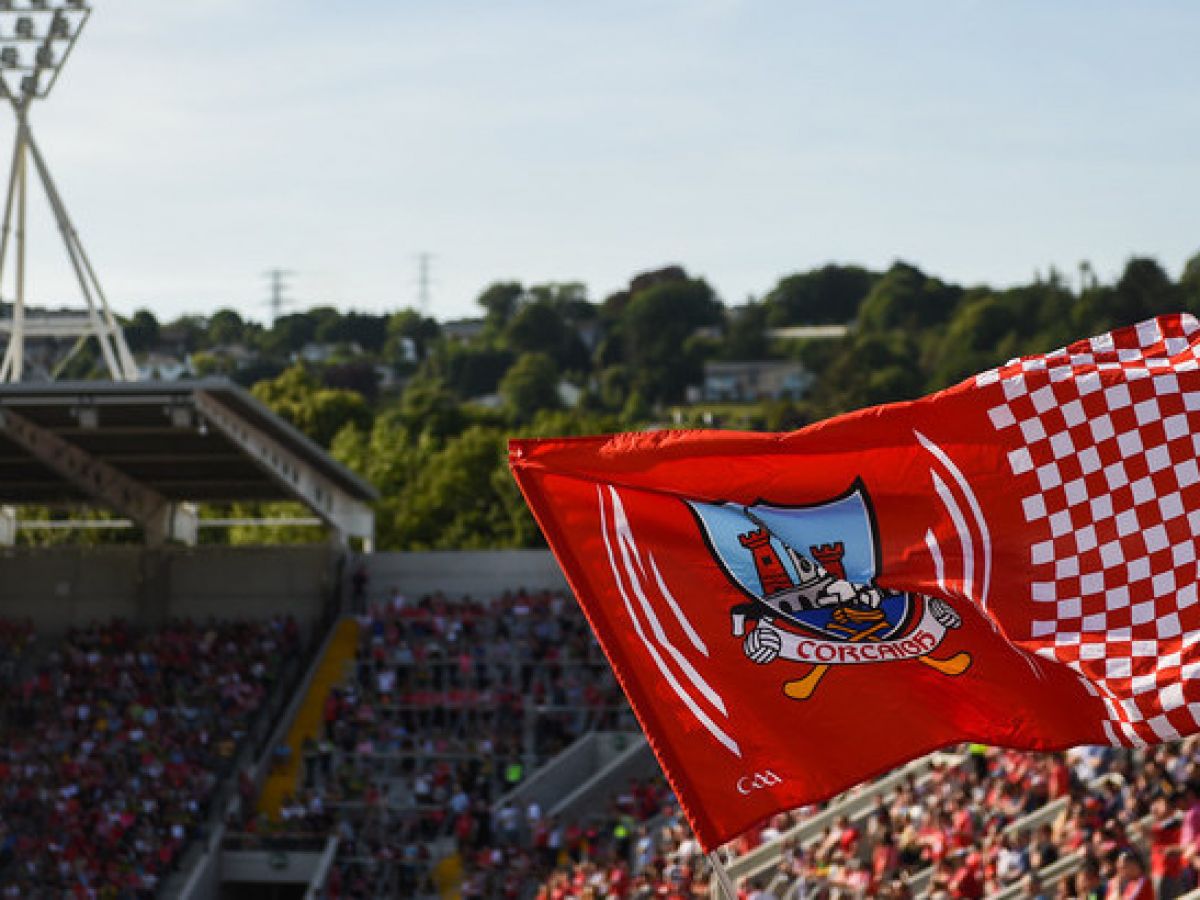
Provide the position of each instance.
(1110, 434)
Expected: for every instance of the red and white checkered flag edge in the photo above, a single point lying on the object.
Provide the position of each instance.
(1109, 434)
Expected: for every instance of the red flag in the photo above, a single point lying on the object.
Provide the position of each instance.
(1011, 561)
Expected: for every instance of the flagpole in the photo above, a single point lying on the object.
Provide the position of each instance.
(722, 876)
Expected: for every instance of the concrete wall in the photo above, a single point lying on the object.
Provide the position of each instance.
(261, 866)
(480, 573)
(63, 586)
(251, 582)
(58, 587)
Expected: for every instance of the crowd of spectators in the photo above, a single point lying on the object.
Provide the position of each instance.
(112, 744)
(523, 847)
(1129, 819)
(447, 706)
(450, 705)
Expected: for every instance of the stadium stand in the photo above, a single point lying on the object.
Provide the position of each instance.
(127, 797)
(112, 747)
(449, 705)
(1004, 824)
(421, 741)
(446, 706)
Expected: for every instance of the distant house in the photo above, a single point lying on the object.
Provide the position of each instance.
(174, 338)
(488, 401)
(569, 395)
(323, 353)
(232, 357)
(590, 334)
(162, 367)
(753, 380)
(463, 330)
(808, 332)
(387, 378)
(407, 350)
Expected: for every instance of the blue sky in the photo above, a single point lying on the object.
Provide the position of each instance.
(198, 144)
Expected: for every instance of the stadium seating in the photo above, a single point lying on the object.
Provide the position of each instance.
(443, 709)
(446, 707)
(991, 823)
(112, 745)
(1007, 824)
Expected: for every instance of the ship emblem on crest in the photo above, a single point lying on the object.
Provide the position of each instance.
(809, 576)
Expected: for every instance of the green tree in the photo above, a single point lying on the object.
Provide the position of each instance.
(906, 298)
(142, 331)
(829, 295)
(453, 499)
(273, 534)
(636, 410)
(1189, 286)
(499, 302)
(869, 369)
(615, 384)
(470, 370)
(746, 335)
(538, 327)
(409, 325)
(1143, 290)
(225, 326)
(207, 365)
(972, 340)
(289, 334)
(190, 332)
(428, 407)
(317, 411)
(364, 329)
(655, 327)
(531, 384)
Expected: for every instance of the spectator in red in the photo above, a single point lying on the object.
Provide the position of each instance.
(1131, 882)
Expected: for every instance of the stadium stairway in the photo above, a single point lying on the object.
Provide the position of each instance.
(578, 781)
(283, 779)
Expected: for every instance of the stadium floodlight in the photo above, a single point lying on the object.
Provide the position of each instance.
(36, 38)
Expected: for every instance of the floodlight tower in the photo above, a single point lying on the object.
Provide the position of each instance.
(36, 38)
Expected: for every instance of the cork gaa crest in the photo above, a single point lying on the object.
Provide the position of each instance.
(808, 573)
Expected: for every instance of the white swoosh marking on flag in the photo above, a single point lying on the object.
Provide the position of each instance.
(964, 536)
(701, 716)
(627, 545)
(939, 565)
(985, 536)
(697, 642)
(935, 551)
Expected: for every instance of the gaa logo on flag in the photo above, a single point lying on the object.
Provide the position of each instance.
(809, 575)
